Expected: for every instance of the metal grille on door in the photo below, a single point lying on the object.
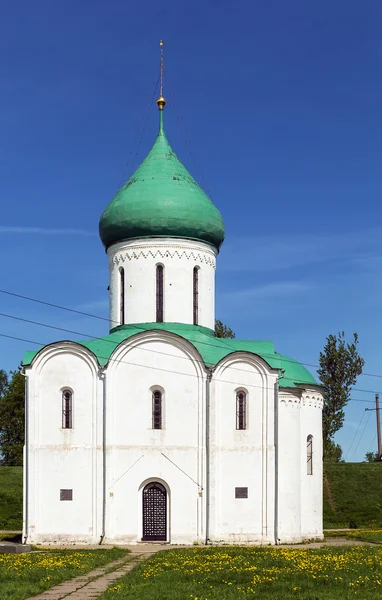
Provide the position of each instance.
(154, 512)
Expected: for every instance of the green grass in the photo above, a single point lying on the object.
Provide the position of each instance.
(11, 498)
(227, 573)
(353, 495)
(366, 535)
(25, 575)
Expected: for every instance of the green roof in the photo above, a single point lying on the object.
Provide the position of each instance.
(211, 349)
(161, 199)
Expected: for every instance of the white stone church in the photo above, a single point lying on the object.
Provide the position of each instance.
(160, 431)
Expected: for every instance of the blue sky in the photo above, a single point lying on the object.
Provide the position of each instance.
(274, 106)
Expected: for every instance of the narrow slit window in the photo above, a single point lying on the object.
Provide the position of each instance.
(157, 409)
(159, 283)
(122, 296)
(67, 409)
(309, 455)
(195, 295)
(241, 410)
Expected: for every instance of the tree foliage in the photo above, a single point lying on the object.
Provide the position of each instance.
(12, 411)
(372, 457)
(223, 331)
(333, 452)
(340, 365)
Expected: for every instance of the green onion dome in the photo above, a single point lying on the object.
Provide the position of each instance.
(161, 199)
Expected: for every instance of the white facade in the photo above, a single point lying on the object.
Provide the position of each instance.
(111, 451)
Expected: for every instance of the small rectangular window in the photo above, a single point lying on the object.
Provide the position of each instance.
(66, 494)
(241, 492)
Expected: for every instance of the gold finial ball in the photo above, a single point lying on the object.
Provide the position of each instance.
(161, 43)
(161, 102)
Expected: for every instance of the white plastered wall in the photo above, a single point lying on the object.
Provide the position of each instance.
(243, 458)
(63, 458)
(137, 453)
(139, 259)
(299, 506)
(311, 485)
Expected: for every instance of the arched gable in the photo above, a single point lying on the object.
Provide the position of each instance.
(56, 349)
(121, 353)
(252, 360)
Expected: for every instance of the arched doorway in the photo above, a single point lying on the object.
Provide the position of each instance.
(154, 512)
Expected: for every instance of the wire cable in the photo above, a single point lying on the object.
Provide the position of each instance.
(117, 323)
(110, 360)
(72, 310)
(71, 331)
(363, 431)
(355, 435)
(372, 445)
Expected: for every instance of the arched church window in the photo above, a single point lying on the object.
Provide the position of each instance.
(122, 296)
(241, 410)
(157, 409)
(159, 284)
(195, 295)
(309, 455)
(67, 409)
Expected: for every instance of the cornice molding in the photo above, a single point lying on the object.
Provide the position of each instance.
(309, 400)
(159, 252)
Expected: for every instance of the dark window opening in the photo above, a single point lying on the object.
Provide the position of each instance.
(122, 297)
(195, 295)
(159, 282)
(157, 409)
(66, 494)
(241, 410)
(309, 455)
(67, 409)
(241, 492)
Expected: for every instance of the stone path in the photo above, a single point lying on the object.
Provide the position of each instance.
(94, 583)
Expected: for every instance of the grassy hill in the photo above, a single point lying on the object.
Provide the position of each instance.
(11, 493)
(352, 496)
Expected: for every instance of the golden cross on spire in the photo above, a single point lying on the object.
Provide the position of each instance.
(161, 100)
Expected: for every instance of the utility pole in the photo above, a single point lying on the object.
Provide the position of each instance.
(377, 411)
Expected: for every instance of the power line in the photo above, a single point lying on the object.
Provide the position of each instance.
(52, 305)
(71, 331)
(372, 445)
(363, 431)
(156, 368)
(362, 400)
(12, 337)
(355, 435)
(86, 314)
